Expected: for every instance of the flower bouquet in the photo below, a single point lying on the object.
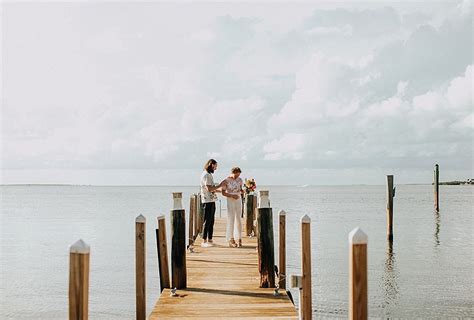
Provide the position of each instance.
(249, 186)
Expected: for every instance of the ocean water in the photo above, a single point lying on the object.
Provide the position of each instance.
(426, 273)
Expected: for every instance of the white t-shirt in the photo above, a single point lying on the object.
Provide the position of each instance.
(207, 180)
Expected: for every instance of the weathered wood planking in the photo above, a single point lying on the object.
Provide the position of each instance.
(223, 282)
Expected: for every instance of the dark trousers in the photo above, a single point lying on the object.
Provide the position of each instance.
(209, 213)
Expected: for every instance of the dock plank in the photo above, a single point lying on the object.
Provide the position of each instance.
(223, 283)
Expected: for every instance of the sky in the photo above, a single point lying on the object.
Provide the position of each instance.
(318, 93)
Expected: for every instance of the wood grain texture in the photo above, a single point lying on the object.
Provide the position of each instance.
(163, 264)
(358, 282)
(192, 208)
(282, 252)
(266, 252)
(436, 187)
(223, 282)
(78, 286)
(306, 295)
(390, 207)
(249, 213)
(178, 249)
(140, 263)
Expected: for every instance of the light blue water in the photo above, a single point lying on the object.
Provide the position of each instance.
(428, 273)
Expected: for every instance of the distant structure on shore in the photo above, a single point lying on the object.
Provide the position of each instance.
(456, 182)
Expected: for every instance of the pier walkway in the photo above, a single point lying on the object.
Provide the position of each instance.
(223, 282)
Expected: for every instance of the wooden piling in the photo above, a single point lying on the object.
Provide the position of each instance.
(79, 281)
(306, 296)
(197, 203)
(178, 243)
(358, 275)
(255, 213)
(282, 251)
(390, 207)
(162, 248)
(192, 208)
(249, 214)
(266, 254)
(200, 216)
(140, 263)
(436, 187)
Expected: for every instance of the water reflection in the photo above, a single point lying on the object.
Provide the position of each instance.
(437, 222)
(390, 281)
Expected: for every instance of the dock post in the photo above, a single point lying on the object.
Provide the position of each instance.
(199, 214)
(266, 254)
(249, 214)
(178, 243)
(140, 278)
(306, 296)
(357, 275)
(79, 281)
(390, 193)
(192, 208)
(255, 213)
(162, 248)
(282, 251)
(197, 201)
(436, 187)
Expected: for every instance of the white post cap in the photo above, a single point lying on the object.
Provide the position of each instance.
(264, 200)
(79, 247)
(282, 213)
(177, 200)
(296, 281)
(161, 217)
(140, 219)
(357, 236)
(305, 219)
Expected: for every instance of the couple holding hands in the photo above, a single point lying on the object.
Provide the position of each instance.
(231, 188)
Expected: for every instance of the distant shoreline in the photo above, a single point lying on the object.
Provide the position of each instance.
(447, 183)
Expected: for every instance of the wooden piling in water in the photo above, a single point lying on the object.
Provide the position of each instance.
(140, 263)
(162, 248)
(249, 214)
(178, 243)
(306, 295)
(79, 281)
(436, 187)
(282, 250)
(358, 275)
(390, 192)
(192, 208)
(265, 241)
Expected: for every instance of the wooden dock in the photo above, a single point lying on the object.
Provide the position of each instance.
(223, 282)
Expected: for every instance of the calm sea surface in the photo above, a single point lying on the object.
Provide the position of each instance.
(428, 273)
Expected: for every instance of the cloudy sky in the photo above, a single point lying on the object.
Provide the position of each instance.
(294, 93)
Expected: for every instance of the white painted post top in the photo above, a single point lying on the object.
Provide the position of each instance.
(140, 219)
(264, 200)
(79, 247)
(357, 236)
(177, 200)
(161, 217)
(296, 281)
(305, 219)
(282, 213)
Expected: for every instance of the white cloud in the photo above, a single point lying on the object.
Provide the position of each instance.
(345, 30)
(289, 146)
(251, 84)
(460, 90)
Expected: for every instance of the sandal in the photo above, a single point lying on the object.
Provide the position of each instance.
(239, 244)
(232, 243)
